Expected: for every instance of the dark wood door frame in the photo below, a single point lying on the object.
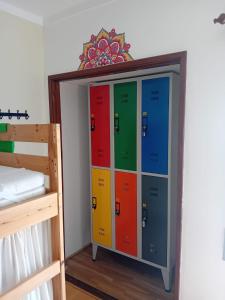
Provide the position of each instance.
(140, 64)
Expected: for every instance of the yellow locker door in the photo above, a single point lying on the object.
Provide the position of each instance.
(101, 207)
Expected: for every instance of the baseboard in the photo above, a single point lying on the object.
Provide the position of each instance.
(76, 252)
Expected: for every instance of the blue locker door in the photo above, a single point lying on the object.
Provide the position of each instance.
(155, 125)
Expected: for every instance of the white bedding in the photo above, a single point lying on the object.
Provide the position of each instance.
(16, 181)
(7, 199)
(26, 251)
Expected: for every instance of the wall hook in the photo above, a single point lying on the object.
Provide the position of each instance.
(220, 19)
(26, 115)
(18, 117)
(11, 115)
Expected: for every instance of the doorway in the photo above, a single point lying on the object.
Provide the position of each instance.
(77, 83)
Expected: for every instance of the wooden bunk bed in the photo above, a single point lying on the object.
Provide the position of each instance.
(19, 216)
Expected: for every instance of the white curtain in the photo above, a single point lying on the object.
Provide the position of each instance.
(27, 251)
(22, 254)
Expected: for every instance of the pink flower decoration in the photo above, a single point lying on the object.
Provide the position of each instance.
(115, 47)
(112, 33)
(104, 49)
(126, 47)
(93, 38)
(103, 44)
(92, 53)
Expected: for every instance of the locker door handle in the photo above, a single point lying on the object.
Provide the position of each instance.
(116, 122)
(144, 217)
(117, 208)
(94, 202)
(144, 222)
(92, 123)
(144, 123)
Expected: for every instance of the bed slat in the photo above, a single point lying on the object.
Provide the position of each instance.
(26, 133)
(32, 162)
(32, 282)
(24, 214)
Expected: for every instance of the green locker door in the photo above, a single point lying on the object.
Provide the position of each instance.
(125, 125)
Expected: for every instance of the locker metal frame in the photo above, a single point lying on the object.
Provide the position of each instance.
(167, 272)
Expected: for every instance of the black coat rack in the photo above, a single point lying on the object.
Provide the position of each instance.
(11, 115)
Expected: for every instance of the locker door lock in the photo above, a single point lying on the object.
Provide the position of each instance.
(116, 122)
(144, 123)
(152, 249)
(94, 202)
(92, 122)
(117, 208)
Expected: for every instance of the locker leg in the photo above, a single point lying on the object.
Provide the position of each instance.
(94, 251)
(167, 278)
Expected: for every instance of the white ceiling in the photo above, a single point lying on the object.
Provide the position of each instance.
(48, 9)
(43, 8)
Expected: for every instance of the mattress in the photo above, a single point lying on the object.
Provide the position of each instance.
(24, 252)
(16, 181)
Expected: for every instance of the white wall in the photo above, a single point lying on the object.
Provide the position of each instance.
(21, 69)
(74, 106)
(158, 27)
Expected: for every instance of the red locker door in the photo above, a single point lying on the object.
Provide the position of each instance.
(126, 212)
(100, 125)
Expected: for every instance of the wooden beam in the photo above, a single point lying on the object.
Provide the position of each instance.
(133, 65)
(32, 162)
(54, 94)
(57, 222)
(26, 133)
(26, 286)
(19, 216)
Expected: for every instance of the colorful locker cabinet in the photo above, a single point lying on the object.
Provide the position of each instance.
(126, 212)
(155, 125)
(100, 125)
(134, 211)
(101, 207)
(125, 125)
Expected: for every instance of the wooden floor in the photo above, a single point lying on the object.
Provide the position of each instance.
(117, 276)
(74, 293)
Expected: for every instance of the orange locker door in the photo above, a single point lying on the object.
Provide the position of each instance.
(126, 212)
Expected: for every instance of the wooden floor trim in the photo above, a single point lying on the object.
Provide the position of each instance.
(88, 288)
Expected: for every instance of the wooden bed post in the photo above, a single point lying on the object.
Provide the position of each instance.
(55, 167)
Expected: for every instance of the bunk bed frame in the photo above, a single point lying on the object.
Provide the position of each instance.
(19, 216)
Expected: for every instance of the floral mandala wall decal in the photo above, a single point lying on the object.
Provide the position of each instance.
(104, 49)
